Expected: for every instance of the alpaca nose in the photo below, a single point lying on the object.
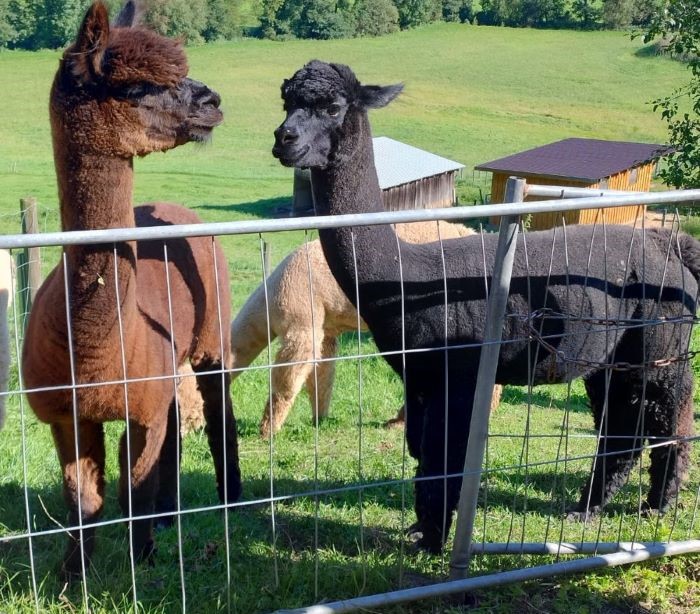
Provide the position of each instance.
(286, 135)
(209, 97)
(204, 96)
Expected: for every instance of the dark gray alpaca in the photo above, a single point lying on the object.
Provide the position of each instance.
(570, 286)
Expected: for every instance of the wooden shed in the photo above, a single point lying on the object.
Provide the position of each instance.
(410, 178)
(585, 163)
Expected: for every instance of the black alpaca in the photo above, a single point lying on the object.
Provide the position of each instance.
(590, 275)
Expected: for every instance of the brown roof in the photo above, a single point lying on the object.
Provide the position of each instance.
(581, 159)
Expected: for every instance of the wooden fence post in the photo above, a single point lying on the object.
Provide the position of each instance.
(28, 259)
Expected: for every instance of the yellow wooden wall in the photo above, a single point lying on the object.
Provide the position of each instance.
(612, 215)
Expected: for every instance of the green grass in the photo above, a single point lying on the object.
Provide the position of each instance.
(472, 94)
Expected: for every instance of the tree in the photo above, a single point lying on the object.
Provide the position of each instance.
(496, 13)
(223, 20)
(541, 13)
(416, 12)
(679, 26)
(323, 19)
(7, 29)
(185, 18)
(302, 19)
(58, 22)
(375, 17)
(623, 13)
(586, 12)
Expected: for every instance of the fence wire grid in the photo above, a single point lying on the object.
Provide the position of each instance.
(327, 500)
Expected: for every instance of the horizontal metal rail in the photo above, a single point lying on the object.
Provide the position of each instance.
(648, 552)
(553, 191)
(110, 235)
(557, 548)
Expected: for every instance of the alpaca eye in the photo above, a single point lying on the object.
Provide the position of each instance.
(334, 110)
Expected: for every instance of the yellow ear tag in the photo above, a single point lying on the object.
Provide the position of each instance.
(100, 280)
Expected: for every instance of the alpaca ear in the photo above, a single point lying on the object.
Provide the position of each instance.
(377, 96)
(90, 45)
(129, 16)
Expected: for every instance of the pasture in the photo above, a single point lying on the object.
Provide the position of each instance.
(472, 94)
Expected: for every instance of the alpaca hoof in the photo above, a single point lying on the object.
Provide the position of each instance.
(414, 529)
(148, 554)
(73, 563)
(422, 540)
(394, 423)
(267, 430)
(163, 522)
(584, 516)
(650, 509)
(234, 489)
(646, 510)
(165, 505)
(71, 571)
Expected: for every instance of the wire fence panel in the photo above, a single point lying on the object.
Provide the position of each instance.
(328, 484)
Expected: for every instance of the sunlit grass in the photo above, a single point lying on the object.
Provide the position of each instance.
(472, 94)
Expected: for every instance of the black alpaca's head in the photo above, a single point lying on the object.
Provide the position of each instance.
(323, 102)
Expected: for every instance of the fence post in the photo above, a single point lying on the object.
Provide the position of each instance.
(486, 377)
(29, 258)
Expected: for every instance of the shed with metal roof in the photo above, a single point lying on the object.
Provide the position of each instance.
(410, 178)
(589, 163)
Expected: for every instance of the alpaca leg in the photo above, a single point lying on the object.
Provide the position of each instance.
(83, 487)
(287, 379)
(139, 456)
(496, 397)
(168, 470)
(398, 420)
(670, 414)
(436, 499)
(249, 330)
(323, 375)
(414, 418)
(189, 400)
(221, 430)
(619, 441)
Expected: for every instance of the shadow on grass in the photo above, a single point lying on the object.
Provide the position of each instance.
(265, 208)
(519, 396)
(268, 561)
(257, 560)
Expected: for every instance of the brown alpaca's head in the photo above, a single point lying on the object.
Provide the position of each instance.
(123, 90)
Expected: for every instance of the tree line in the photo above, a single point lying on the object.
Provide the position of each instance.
(37, 24)
(41, 24)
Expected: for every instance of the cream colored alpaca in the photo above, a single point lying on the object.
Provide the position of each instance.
(6, 295)
(307, 319)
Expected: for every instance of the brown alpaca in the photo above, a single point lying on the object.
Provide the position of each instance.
(121, 92)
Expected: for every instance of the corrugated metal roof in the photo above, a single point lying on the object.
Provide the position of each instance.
(398, 163)
(584, 159)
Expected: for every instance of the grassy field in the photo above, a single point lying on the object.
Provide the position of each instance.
(472, 94)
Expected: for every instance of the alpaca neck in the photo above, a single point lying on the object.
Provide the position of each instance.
(95, 193)
(350, 185)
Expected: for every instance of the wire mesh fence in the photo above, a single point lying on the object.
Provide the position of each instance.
(328, 496)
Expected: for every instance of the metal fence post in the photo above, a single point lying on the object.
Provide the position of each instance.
(486, 376)
(28, 258)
